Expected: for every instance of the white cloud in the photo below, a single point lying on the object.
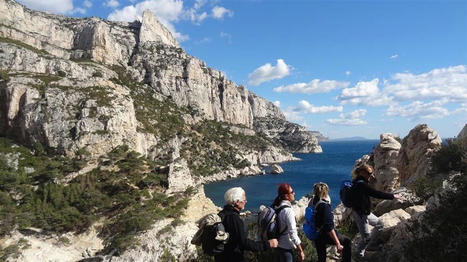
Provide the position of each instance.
(268, 72)
(362, 89)
(277, 103)
(292, 116)
(419, 110)
(87, 3)
(315, 86)
(450, 82)
(347, 73)
(166, 11)
(219, 12)
(203, 41)
(112, 3)
(365, 93)
(54, 6)
(227, 36)
(194, 14)
(394, 56)
(306, 107)
(350, 119)
(79, 10)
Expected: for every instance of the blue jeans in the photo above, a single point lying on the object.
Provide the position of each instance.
(363, 221)
(283, 255)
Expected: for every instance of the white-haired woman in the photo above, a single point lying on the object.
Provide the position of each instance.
(235, 200)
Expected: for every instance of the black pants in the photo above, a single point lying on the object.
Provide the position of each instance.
(324, 239)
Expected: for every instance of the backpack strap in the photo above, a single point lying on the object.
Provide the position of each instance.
(278, 210)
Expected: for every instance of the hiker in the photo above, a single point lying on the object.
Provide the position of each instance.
(361, 204)
(324, 223)
(235, 200)
(288, 240)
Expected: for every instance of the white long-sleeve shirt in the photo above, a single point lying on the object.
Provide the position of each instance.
(288, 240)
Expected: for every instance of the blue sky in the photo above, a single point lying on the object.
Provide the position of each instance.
(344, 68)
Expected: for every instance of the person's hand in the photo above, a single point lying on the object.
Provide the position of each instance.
(302, 256)
(273, 243)
(340, 248)
(397, 196)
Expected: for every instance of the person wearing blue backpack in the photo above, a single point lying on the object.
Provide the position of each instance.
(324, 225)
(361, 204)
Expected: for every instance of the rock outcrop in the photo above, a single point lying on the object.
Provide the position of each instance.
(78, 52)
(292, 136)
(417, 148)
(463, 136)
(86, 87)
(385, 159)
(418, 226)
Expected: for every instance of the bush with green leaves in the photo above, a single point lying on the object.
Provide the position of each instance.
(118, 190)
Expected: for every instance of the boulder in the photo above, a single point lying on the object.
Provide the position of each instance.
(408, 198)
(276, 169)
(385, 158)
(463, 136)
(416, 150)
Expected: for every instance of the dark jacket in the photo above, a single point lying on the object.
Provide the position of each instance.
(361, 193)
(324, 220)
(233, 250)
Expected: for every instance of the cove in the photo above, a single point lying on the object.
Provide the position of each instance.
(332, 167)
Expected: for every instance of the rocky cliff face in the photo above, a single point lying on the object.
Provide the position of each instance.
(115, 96)
(78, 52)
(415, 227)
(292, 136)
(415, 153)
(463, 136)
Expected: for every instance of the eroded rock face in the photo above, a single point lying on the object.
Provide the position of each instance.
(417, 148)
(385, 159)
(463, 136)
(293, 137)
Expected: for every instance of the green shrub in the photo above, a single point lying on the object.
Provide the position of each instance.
(451, 157)
(447, 226)
(100, 193)
(97, 74)
(61, 73)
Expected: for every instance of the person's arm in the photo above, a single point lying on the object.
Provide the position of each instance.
(293, 233)
(334, 238)
(375, 193)
(291, 225)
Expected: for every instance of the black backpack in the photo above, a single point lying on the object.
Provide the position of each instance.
(346, 192)
(269, 223)
(214, 238)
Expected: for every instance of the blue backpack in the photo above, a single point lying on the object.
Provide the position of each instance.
(309, 227)
(345, 193)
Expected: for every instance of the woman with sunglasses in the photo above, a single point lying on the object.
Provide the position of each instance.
(361, 204)
(324, 222)
(288, 240)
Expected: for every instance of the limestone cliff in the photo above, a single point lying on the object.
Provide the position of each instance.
(115, 121)
(430, 178)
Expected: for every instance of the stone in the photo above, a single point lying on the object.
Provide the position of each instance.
(153, 31)
(463, 136)
(276, 169)
(417, 148)
(385, 156)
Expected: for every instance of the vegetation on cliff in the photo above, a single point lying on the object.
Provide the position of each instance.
(446, 224)
(125, 189)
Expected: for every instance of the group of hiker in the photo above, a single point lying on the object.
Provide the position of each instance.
(285, 242)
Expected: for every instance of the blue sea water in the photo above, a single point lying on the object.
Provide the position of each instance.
(332, 167)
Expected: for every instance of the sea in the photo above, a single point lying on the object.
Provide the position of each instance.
(332, 167)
